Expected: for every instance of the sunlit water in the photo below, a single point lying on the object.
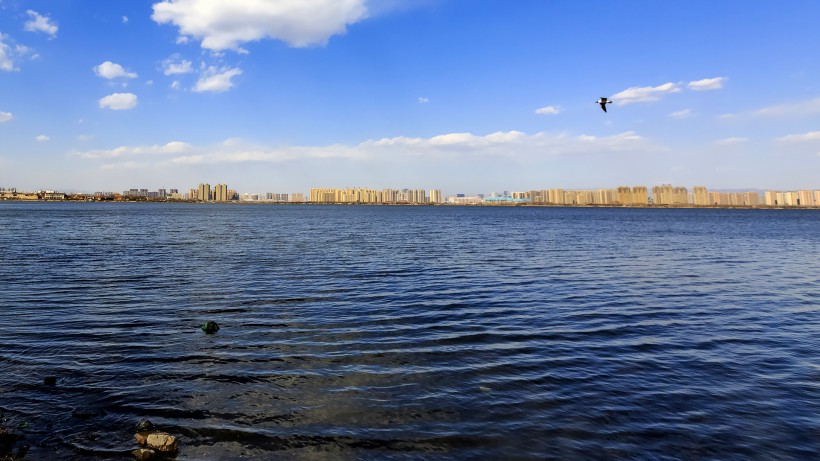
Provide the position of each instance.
(375, 332)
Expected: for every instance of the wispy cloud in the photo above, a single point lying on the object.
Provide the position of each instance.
(731, 141)
(466, 146)
(175, 66)
(40, 23)
(685, 113)
(228, 24)
(6, 117)
(171, 148)
(655, 93)
(11, 53)
(119, 101)
(790, 109)
(423, 100)
(707, 84)
(111, 70)
(216, 80)
(548, 110)
(798, 138)
(42, 138)
(645, 93)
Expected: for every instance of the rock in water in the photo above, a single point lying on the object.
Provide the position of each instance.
(163, 442)
(50, 380)
(145, 426)
(210, 327)
(144, 454)
(141, 438)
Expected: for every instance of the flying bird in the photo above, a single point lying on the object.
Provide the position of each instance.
(603, 102)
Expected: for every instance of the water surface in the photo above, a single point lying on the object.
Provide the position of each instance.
(379, 332)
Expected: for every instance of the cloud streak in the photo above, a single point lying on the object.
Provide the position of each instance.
(707, 84)
(453, 146)
(811, 136)
(636, 94)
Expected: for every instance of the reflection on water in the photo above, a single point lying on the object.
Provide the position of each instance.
(411, 332)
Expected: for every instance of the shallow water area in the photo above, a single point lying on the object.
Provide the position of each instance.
(391, 332)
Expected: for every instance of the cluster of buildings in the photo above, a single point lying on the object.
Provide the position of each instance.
(362, 195)
(638, 196)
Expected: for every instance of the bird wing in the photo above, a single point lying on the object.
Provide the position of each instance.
(603, 106)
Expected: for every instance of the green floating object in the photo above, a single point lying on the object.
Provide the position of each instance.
(210, 327)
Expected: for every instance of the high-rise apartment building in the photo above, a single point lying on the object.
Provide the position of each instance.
(204, 193)
(221, 193)
(668, 195)
(435, 196)
(700, 196)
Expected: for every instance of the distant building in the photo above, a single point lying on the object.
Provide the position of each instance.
(221, 193)
(668, 195)
(204, 192)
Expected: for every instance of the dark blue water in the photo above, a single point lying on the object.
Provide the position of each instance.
(376, 332)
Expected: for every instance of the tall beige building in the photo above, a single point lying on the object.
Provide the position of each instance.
(435, 196)
(700, 196)
(221, 193)
(204, 192)
(668, 195)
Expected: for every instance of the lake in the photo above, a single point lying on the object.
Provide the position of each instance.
(411, 332)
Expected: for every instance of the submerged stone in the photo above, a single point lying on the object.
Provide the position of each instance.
(145, 426)
(210, 327)
(144, 454)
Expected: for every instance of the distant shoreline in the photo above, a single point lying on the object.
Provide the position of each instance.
(493, 205)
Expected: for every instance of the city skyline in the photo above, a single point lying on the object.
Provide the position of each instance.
(634, 196)
(442, 94)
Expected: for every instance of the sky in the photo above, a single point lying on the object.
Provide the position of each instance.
(466, 96)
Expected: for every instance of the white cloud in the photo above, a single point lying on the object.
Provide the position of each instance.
(222, 25)
(171, 148)
(805, 137)
(6, 117)
(125, 19)
(685, 113)
(119, 101)
(802, 108)
(644, 93)
(423, 100)
(175, 85)
(42, 138)
(731, 141)
(39, 23)
(548, 110)
(11, 52)
(6, 62)
(111, 70)
(216, 80)
(174, 66)
(707, 84)
(459, 146)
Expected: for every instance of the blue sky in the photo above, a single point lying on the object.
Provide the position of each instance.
(467, 96)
